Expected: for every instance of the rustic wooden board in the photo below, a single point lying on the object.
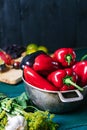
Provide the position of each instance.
(11, 76)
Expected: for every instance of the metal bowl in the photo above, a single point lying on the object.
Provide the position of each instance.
(55, 101)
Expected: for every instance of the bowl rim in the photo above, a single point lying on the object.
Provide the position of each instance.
(49, 91)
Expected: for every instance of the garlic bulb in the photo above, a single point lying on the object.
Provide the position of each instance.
(16, 123)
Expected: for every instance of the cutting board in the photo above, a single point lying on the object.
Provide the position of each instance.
(11, 76)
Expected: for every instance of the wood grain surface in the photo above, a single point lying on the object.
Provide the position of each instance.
(11, 76)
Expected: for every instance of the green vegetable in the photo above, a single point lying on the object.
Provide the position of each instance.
(36, 120)
(3, 120)
(40, 120)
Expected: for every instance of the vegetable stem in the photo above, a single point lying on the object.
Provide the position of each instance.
(69, 81)
(68, 59)
(83, 58)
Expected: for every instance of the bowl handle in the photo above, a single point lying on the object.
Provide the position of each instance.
(78, 96)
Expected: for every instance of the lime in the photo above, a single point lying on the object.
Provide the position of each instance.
(29, 51)
(43, 48)
(32, 46)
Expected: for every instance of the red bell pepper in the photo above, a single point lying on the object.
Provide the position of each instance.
(64, 79)
(44, 64)
(80, 68)
(65, 56)
(6, 57)
(36, 80)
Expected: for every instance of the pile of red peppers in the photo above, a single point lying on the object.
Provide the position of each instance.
(58, 72)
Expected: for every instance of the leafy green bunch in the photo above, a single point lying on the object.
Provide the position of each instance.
(36, 119)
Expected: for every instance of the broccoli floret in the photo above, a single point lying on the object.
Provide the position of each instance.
(40, 120)
(3, 120)
(36, 120)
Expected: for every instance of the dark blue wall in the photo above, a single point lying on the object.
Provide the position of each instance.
(54, 23)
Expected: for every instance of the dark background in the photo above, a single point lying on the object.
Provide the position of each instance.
(54, 23)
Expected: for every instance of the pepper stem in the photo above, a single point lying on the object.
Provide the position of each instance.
(69, 81)
(68, 59)
(85, 56)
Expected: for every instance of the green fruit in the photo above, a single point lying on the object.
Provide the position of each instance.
(32, 46)
(29, 51)
(43, 48)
